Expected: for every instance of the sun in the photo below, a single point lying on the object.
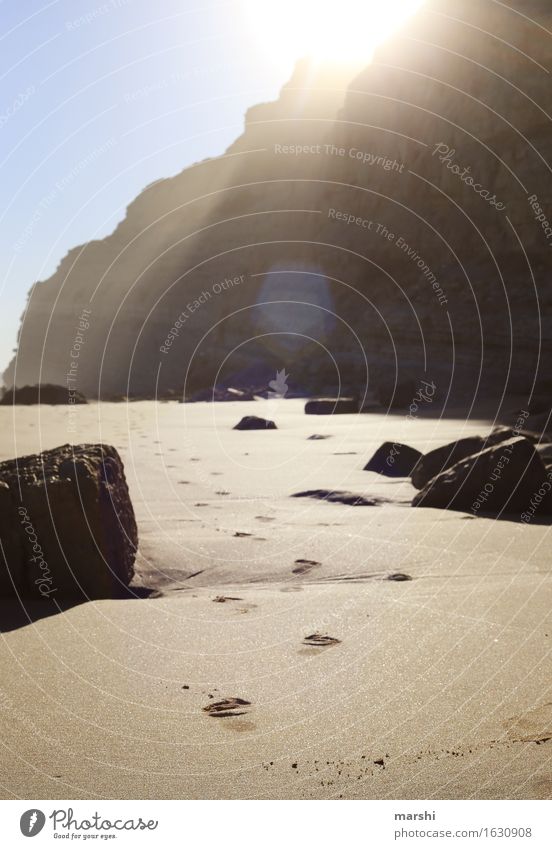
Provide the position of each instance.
(326, 30)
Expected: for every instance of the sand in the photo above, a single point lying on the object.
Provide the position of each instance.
(434, 687)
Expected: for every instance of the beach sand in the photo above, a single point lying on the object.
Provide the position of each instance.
(435, 687)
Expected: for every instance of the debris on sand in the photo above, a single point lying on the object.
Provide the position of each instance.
(227, 707)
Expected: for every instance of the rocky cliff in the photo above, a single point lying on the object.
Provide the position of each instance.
(390, 225)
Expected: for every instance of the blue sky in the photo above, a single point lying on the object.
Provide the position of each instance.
(100, 98)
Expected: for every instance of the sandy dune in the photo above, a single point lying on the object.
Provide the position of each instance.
(438, 686)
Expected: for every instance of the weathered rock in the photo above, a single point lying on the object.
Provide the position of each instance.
(255, 423)
(394, 460)
(46, 393)
(331, 406)
(503, 478)
(73, 530)
(435, 462)
(351, 499)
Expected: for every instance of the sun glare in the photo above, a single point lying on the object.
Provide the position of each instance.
(327, 30)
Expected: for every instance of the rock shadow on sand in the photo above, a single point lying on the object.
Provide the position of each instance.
(19, 613)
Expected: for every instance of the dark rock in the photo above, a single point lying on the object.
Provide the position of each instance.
(331, 406)
(435, 462)
(393, 460)
(339, 497)
(255, 423)
(70, 510)
(317, 436)
(502, 478)
(45, 393)
(398, 576)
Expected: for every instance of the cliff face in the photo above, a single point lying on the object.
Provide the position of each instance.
(393, 226)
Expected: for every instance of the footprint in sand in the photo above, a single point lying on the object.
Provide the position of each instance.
(227, 707)
(320, 640)
(304, 566)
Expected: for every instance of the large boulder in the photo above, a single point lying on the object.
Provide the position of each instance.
(509, 477)
(67, 523)
(436, 461)
(255, 423)
(331, 406)
(394, 460)
(46, 393)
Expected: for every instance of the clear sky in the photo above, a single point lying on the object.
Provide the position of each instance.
(98, 98)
